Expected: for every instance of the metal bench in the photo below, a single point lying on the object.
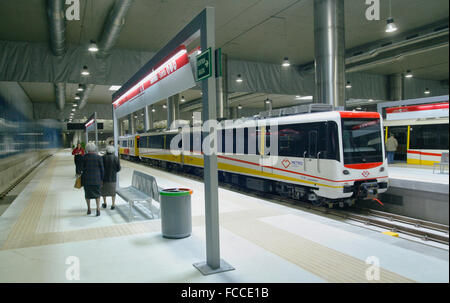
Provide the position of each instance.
(442, 164)
(143, 189)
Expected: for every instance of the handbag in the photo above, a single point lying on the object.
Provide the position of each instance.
(78, 183)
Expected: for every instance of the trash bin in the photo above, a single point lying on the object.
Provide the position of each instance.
(176, 218)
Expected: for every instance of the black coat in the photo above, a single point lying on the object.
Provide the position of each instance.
(112, 167)
(92, 168)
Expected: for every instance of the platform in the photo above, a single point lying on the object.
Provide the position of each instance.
(266, 242)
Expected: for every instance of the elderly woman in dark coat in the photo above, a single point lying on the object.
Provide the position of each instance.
(92, 176)
(112, 167)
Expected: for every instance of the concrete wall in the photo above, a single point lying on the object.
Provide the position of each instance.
(14, 167)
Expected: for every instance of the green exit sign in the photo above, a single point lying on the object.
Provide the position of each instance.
(204, 65)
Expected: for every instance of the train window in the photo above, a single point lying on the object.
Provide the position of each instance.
(312, 147)
(124, 143)
(196, 141)
(362, 141)
(333, 141)
(433, 136)
(156, 142)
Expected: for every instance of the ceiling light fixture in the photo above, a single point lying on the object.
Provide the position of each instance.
(391, 26)
(286, 62)
(427, 91)
(80, 88)
(304, 98)
(348, 85)
(239, 78)
(268, 101)
(153, 110)
(408, 74)
(77, 97)
(93, 47)
(239, 106)
(114, 87)
(183, 99)
(164, 106)
(85, 71)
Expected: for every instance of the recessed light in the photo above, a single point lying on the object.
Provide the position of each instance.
(286, 62)
(239, 78)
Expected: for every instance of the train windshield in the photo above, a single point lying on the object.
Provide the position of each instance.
(362, 140)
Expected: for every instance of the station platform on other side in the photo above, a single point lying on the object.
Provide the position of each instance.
(47, 226)
(416, 191)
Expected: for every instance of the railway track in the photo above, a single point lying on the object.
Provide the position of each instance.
(424, 230)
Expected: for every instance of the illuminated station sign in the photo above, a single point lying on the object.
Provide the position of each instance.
(165, 68)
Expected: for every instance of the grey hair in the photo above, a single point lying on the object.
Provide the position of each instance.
(91, 148)
(110, 149)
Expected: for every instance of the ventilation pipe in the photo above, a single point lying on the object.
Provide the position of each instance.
(60, 92)
(55, 11)
(113, 27)
(85, 96)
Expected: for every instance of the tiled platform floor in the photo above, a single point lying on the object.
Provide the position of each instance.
(266, 242)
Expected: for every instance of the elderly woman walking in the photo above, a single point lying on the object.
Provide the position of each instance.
(92, 176)
(112, 167)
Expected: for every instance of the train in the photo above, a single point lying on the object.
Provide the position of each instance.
(329, 158)
(421, 131)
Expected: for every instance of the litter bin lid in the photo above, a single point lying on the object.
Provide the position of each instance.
(176, 192)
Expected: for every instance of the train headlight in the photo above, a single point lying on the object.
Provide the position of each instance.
(346, 172)
(382, 168)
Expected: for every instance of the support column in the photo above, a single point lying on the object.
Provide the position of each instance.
(396, 87)
(233, 112)
(172, 109)
(329, 49)
(147, 112)
(222, 90)
(213, 262)
(131, 124)
(267, 105)
(151, 118)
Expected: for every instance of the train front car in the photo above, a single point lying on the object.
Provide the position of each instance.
(364, 165)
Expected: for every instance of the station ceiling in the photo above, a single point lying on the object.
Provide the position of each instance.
(255, 30)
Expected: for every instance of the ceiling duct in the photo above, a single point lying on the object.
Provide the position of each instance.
(113, 26)
(60, 92)
(84, 98)
(375, 52)
(57, 23)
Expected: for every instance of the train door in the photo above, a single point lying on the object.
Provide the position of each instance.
(266, 160)
(312, 152)
(401, 134)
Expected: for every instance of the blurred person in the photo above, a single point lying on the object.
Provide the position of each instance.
(391, 148)
(78, 152)
(112, 167)
(92, 176)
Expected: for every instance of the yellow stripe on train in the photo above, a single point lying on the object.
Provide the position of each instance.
(234, 168)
